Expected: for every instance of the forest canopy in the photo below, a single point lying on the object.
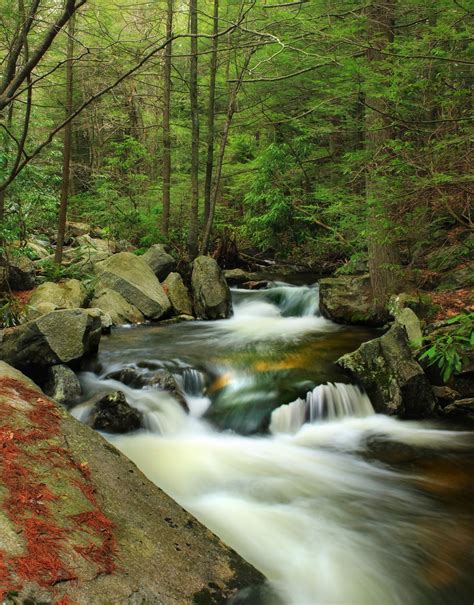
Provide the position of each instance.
(317, 131)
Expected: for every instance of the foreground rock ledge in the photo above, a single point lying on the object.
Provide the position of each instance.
(81, 525)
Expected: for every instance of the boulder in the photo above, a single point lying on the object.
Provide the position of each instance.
(39, 248)
(410, 321)
(129, 376)
(178, 294)
(164, 380)
(119, 310)
(68, 294)
(74, 229)
(96, 244)
(160, 379)
(62, 336)
(62, 384)
(106, 534)
(347, 299)
(445, 395)
(90, 250)
(211, 293)
(394, 381)
(239, 276)
(160, 262)
(113, 414)
(105, 319)
(461, 408)
(132, 278)
(21, 273)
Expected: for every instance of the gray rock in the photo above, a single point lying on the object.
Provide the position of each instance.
(445, 395)
(21, 273)
(62, 336)
(178, 294)
(39, 248)
(409, 320)
(74, 229)
(164, 380)
(160, 379)
(211, 293)
(62, 385)
(105, 319)
(160, 262)
(118, 309)
(129, 376)
(133, 279)
(461, 408)
(348, 299)
(239, 276)
(68, 294)
(394, 381)
(113, 414)
(153, 551)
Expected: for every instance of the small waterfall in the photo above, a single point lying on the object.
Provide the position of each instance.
(325, 402)
(288, 300)
(193, 382)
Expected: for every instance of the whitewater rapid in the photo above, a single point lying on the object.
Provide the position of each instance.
(307, 503)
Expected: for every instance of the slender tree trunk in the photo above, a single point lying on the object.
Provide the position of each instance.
(6, 149)
(382, 247)
(211, 114)
(58, 255)
(220, 161)
(194, 209)
(165, 221)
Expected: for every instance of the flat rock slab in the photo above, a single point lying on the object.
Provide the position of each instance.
(81, 525)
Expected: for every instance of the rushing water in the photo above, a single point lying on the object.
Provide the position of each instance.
(288, 463)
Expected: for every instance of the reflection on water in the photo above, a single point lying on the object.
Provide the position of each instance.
(338, 505)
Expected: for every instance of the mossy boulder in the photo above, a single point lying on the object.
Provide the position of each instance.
(178, 294)
(113, 414)
(62, 384)
(394, 381)
(211, 293)
(132, 278)
(348, 300)
(115, 305)
(62, 336)
(67, 294)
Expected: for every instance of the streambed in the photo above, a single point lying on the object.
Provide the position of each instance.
(333, 503)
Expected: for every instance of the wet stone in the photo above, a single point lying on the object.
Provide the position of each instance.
(113, 414)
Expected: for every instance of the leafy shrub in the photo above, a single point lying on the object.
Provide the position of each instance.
(448, 350)
(11, 312)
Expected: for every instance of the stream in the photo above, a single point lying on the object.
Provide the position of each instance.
(288, 463)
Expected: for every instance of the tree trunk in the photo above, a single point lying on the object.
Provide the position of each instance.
(211, 114)
(382, 247)
(165, 220)
(194, 209)
(58, 255)
(225, 136)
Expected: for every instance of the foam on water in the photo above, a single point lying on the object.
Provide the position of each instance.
(323, 525)
(305, 505)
